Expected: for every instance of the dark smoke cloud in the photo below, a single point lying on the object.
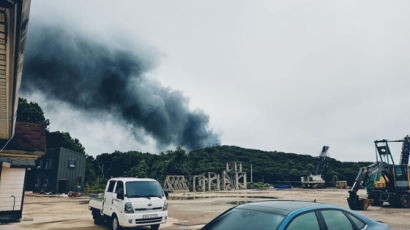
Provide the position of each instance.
(100, 80)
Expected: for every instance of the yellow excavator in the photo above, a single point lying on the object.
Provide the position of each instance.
(384, 180)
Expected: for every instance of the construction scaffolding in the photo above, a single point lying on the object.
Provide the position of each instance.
(176, 183)
(233, 178)
(199, 182)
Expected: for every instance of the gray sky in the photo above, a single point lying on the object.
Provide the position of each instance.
(273, 75)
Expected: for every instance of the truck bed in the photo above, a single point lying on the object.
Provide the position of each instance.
(96, 203)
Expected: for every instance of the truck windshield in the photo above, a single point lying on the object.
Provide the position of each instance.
(144, 189)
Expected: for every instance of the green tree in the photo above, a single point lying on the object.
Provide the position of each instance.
(63, 139)
(30, 112)
(140, 170)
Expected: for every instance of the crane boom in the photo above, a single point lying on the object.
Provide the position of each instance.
(321, 161)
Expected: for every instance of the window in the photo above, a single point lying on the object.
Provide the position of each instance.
(71, 163)
(359, 223)
(336, 220)
(246, 219)
(111, 186)
(48, 163)
(144, 189)
(307, 221)
(120, 187)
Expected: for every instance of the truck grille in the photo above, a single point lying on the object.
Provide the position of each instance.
(146, 221)
(147, 209)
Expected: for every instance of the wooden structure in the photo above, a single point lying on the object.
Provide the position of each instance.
(233, 177)
(176, 183)
(200, 182)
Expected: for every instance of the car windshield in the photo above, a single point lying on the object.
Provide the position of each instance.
(245, 219)
(144, 189)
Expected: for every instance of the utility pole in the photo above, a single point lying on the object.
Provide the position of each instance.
(251, 174)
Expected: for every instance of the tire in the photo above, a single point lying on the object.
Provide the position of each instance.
(395, 202)
(404, 201)
(155, 227)
(98, 218)
(115, 224)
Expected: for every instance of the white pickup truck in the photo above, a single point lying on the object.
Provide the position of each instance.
(131, 202)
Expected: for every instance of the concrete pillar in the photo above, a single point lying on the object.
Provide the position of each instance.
(193, 183)
(245, 181)
(236, 179)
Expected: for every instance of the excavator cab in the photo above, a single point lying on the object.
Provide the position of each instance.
(401, 173)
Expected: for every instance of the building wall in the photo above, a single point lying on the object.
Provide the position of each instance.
(11, 183)
(45, 172)
(54, 173)
(71, 170)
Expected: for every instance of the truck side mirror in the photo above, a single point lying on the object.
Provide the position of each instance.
(120, 195)
(166, 193)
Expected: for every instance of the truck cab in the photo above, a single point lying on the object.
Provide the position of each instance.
(131, 202)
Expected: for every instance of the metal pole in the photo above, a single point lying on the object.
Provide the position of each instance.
(251, 174)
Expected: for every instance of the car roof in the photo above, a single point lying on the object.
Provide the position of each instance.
(128, 179)
(282, 207)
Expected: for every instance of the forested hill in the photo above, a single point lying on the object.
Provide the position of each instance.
(271, 167)
(268, 167)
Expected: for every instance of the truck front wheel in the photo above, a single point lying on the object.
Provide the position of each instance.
(115, 225)
(155, 227)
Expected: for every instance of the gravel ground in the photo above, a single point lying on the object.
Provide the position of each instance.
(186, 211)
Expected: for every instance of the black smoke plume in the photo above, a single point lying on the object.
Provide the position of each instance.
(99, 79)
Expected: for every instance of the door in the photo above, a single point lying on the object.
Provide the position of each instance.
(401, 174)
(118, 201)
(11, 188)
(336, 220)
(305, 221)
(109, 198)
(62, 186)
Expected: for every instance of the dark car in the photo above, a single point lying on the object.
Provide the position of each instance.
(291, 215)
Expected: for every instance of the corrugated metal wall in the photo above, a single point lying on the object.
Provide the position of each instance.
(73, 175)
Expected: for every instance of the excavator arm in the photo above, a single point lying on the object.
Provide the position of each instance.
(354, 201)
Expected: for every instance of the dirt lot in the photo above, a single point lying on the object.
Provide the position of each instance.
(186, 211)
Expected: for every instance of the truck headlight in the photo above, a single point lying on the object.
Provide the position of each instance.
(165, 206)
(128, 208)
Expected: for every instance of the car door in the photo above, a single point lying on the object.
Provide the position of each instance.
(336, 220)
(108, 198)
(118, 201)
(306, 221)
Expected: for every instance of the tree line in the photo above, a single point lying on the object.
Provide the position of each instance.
(268, 166)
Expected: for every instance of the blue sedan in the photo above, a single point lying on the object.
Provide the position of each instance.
(291, 215)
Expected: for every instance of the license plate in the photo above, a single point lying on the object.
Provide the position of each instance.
(149, 216)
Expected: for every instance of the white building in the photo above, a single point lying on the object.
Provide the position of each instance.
(20, 144)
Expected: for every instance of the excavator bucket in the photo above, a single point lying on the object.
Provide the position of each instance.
(358, 204)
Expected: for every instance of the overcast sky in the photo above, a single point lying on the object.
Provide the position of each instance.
(272, 75)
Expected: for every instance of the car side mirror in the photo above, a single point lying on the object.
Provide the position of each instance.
(166, 193)
(120, 195)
